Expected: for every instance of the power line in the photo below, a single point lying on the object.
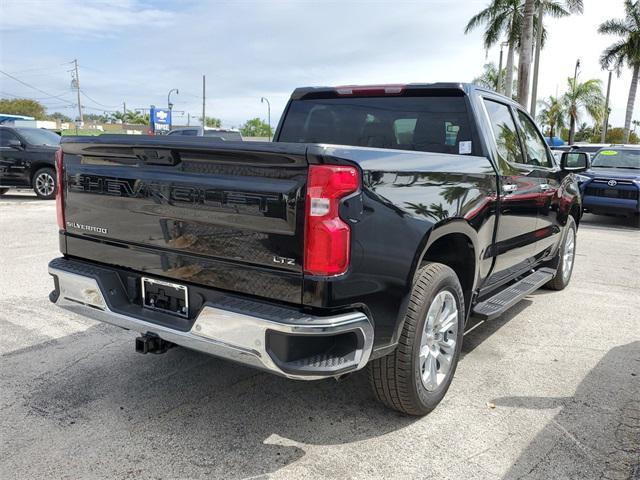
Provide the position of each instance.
(98, 103)
(34, 88)
(37, 69)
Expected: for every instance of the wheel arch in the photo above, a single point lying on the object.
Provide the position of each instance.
(443, 244)
(35, 166)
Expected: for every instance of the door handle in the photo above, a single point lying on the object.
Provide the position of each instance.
(509, 187)
(544, 187)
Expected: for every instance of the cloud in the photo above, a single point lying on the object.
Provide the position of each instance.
(103, 17)
(137, 51)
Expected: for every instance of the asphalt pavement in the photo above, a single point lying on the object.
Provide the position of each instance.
(549, 390)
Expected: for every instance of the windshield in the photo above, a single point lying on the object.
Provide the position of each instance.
(430, 124)
(37, 136)
(617, 158)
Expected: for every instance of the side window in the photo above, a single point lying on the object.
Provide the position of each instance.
(504, 129)
(5, 136)
(534, 144)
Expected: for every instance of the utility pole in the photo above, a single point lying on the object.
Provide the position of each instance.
(188, 119)
(124, 111)
(536, 62)
(76, 82)
(204, 87)
(605, 125)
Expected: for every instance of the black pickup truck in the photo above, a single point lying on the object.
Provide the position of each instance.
(368, 233)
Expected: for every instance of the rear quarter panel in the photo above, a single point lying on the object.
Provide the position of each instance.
(407, 201)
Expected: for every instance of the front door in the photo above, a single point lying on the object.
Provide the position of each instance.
(514, 247)
(548, 176)
(12, 168)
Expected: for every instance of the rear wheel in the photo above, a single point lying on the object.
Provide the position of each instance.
(3, 191)
(566, 257)
(44, 183)
(415, 377)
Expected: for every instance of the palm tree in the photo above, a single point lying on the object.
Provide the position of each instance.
(489, 77)
(626, 50)
(526, 42)
(556, 10)
(551, 114)
(501, 17)
(585, 96)
(137, 118)
(505, 17)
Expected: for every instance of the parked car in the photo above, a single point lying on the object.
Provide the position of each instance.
(378, 222)
(221, 133)
(612, 185)
(27, 160)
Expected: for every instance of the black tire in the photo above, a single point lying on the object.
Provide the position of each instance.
(3, 191)
(44, 183)
(564, 270)
(397, 378)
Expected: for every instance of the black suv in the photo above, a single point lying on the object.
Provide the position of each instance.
(27, 160)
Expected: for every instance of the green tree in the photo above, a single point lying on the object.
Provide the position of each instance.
(61, 117)
(500, 17)
(23, 106)
(626, 50)
(212, 122)
(616, 135)
(504, 19)
(551, 114)
(585, 133)
(255, 128)
(94, 117)
(136, 118)
(489, 77)
(586, 96)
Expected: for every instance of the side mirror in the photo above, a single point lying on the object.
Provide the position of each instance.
(17, 144)
(575, 161)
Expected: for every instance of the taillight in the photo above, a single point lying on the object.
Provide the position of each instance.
(327, 238)
(59, 189)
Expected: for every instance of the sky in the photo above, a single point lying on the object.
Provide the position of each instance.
(135, 51)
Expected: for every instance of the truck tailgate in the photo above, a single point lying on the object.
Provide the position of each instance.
(224, 215)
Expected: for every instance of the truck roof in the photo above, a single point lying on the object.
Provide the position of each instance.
(452, 88)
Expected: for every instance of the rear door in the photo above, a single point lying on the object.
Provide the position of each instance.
(190, 209)
(515, 235)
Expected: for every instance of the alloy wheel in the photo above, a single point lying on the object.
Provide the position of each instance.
(438, 342)
(45, 184)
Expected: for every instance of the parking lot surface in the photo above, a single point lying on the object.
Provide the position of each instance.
(549, 390)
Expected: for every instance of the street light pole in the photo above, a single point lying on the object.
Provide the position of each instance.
(263, 100)
(605, 125)
(170, 105)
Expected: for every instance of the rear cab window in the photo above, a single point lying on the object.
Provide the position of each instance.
(439, 124)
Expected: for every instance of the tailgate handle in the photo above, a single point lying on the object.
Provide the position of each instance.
(153, 156)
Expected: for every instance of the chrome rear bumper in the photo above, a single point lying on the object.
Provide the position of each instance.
(241, 336)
